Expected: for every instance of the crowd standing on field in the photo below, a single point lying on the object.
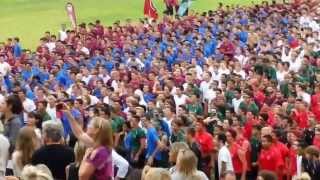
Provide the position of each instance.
(226, 94)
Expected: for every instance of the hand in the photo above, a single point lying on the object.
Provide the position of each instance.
(150, 161)
(136, 158)
(11, 178)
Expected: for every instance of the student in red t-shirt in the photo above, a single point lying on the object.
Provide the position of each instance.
(316, 138)
(205, 140)
(270, 157)
(237, 154)
(282, 148)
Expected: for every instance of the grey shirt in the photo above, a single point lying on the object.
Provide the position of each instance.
(11, 130)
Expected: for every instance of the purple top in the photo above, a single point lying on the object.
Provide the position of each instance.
(102, 161)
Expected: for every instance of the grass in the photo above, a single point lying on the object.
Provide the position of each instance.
(29, 19)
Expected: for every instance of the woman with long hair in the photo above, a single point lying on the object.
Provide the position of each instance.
(186, 167)
(26, 144)
(97, 161)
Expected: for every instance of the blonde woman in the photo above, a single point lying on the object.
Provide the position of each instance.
(149, 173)
(39, 172)
(73, 169)
(173, 153)
(97, 161)
(186, 167)
(26, 145)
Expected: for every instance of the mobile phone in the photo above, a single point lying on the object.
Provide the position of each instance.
(59, 106)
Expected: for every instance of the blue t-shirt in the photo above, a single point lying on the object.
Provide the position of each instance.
(65, 122)
(152, 140)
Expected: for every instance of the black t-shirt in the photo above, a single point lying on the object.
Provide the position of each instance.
(196, 149)
(56, 157)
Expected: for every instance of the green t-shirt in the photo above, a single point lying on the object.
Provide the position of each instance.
(195, 108)
(178, 137)
(136, 135)
(251, 107)
(117, 123)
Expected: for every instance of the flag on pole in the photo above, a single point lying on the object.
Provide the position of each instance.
(184, 5)
(71, 14)
(149, 9)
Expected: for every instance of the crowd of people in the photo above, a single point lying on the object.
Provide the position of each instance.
(227, 94)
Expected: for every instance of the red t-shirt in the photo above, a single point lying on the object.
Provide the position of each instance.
(316, 141)
(205, 141)
(236, 162)
(301, 117)
(270, 159)
(292, 162)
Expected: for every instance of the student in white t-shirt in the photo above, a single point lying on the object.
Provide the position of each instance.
(224, 156)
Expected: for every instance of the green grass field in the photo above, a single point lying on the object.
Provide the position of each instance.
(28, 19)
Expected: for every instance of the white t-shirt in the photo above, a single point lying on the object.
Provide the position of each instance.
(224, 156)
(4, 154)
(28, 106)
(63, 35)
(180, 100)
(5, 68)
(236, 103)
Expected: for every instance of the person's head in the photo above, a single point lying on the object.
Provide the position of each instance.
(222, 139)
(266, 141)
(12, 104)
(33, 118)
(231, 135)
(26, 144)
(39, 172)
(186, 162)
(79, 151)
(174, 150)
(304, 176)
(267, 175)
(52, 132)
(100, 130)
(200, 126)
(155, 174)
(311, 152)
(228, 175)
(191, 132)
(134, 121)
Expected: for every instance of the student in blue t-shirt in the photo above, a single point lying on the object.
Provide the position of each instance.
(154, 145)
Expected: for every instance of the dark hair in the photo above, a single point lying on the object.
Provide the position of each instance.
(233, 133)
(222, 137)
(16, 104)
(191, 131)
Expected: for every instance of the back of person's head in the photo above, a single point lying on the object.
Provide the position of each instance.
(15, 104)
(26, 144)
(222, 138)
(52, 131)
(228, 175)
(186, 162)
(79, 151)
(149, 173)
(103, 136)
(267, 175)
(175, 148)
(39, 172)
(312, 151)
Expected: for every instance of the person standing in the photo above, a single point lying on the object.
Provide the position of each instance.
(270, 157)
(224, 156)
(54, 153)
(138, 143)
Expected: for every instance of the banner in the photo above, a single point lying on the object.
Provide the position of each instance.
(71, 14)
(149, 10)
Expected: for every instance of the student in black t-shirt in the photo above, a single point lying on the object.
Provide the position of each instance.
(54, 154)
(194, 146)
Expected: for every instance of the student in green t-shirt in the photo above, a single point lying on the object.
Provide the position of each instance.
(177, 134)
(137, 143)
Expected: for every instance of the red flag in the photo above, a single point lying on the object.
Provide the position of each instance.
(71, 14)
(149, 9)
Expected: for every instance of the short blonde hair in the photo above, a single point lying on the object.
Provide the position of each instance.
(39, 172)
(79, 151)
(149, 173)
(104, 136)
(187, 162)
